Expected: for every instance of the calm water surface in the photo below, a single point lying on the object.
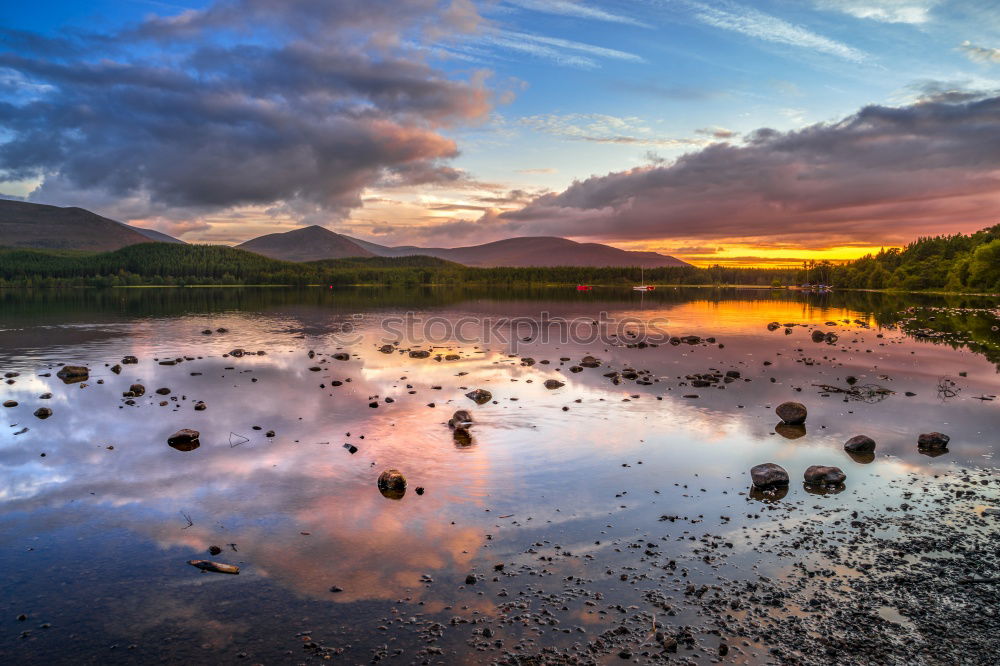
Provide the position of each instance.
(98, 515)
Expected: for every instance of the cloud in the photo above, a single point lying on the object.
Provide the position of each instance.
(717, 132)
(575, 10)
(244, 103)
(756, 24)
(602, 128)
(560, 51)
(540, 170)
(884, 174)
(982, 54)
(884, 11)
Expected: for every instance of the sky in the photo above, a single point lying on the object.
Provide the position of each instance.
(752, 133)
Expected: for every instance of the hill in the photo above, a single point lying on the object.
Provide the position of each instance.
(305, 244)
(315, 243)
(34, 225)
(534, 251)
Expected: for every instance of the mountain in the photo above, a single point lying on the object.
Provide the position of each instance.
(306, 244)
(154, 235)
(34, 225)
(532, 251)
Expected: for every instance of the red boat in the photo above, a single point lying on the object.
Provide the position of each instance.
(584, 287)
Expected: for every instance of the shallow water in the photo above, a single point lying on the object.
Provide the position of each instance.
(98, 515)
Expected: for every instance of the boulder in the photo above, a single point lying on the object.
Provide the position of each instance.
(818, 336)
(553, 384)
(137, 390)
(768, 475)
(824, 475)
(43, 412)
(933, 440)
(10, 403)
(792, 413)
(860, 444)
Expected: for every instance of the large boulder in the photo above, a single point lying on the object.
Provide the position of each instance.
(824, 475)
(933, 440)
(768, 475)
(792, 413)
(860, 444)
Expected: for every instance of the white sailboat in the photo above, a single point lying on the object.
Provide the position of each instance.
(642, 278)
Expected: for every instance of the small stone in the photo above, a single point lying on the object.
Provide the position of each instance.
(792, 413)
(470, 579)
(392, 483)
(43, 412)
(768, 475)
(823, 475)
(933, 440)
(860, 444)
(214, 550)
(552, 384)
(479, 396)
(10, 403)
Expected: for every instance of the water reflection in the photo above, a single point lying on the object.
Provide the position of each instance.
(303, 509)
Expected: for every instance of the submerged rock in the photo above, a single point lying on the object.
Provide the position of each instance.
(43, 412)
(386, 349)
(214, 550)
(792, 413)
(341, 356)
(824, 475)
(860, 444)
(463, 438)
(420, 353)
(768, 475)
(392, 484)
(216, 567)
(129, 360)
(479, 396)
(933, 440)
(10, 403)
(553, 384)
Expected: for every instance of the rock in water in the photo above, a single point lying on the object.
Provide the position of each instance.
(184, 440)
(217, 567)
(479, 396)
(860, 444)
(386, 349)
(392, 484)
(933, 440)
(10, 403)
(823, 475)
(70, 374)
(818, 336)
(460, 419)
(553, 384)
(137, 390)
(768, 475)
(792, 413)
(43, 412)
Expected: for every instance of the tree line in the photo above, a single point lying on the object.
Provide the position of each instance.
(959, 262)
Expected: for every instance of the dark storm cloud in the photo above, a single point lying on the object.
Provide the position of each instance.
(246, 102)
(881, 174)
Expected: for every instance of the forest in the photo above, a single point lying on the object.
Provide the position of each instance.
(959, 262)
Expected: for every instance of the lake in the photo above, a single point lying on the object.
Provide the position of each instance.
(605, 516)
